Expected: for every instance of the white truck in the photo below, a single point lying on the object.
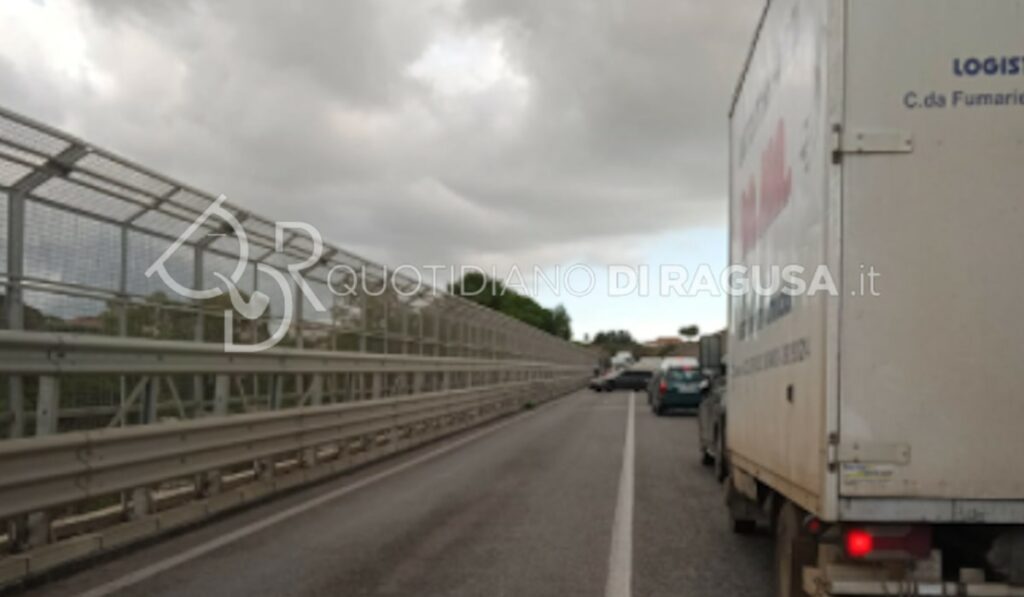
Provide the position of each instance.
(622, 359)
(875, 413)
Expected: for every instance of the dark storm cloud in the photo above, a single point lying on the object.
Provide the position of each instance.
(433, 131)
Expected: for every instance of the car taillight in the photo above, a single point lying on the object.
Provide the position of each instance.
(859, 544)
(663, 387)
(888, 542)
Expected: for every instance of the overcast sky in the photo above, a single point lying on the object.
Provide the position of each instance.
(486, 132)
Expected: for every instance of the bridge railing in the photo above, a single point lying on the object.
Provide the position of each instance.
(123, 415)
(81, 226)
(76, 494)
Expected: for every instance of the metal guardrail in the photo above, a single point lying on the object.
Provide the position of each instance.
(31, 353)
(142, 422)
(60, 470)
(69, 495)
(156, 377)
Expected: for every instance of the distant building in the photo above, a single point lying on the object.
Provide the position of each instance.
(673, 346)
(664, 342)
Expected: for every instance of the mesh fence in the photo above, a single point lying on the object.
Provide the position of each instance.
(81, 226)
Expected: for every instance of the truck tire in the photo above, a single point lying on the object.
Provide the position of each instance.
(721, 461)
(706, 459)
(795, 549)
(743, 513)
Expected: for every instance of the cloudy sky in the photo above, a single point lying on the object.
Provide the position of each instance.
(498, 133)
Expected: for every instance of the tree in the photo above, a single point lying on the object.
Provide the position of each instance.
(615, 341)
(561, 323)
(492, 294)
(689, 332)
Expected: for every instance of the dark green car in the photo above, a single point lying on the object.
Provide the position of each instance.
(676, 387)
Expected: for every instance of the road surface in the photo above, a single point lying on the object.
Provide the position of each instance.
(561, 501)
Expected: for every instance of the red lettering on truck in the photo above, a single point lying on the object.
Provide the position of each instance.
(759, 211)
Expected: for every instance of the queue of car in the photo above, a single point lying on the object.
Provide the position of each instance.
(682, 384)
(670, 383)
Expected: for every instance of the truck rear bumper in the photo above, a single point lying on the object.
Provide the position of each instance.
(964, 511)
(864, 588)
(922, 578)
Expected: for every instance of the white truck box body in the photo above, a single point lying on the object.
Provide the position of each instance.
(884, 134)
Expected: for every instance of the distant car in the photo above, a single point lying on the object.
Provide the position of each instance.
(676, 387)
(711, 418)
(602, 383)
(627, 379)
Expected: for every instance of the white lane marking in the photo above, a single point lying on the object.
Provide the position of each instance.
(251, 529)
(620, 562)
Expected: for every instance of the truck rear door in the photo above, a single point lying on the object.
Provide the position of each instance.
(931, 399)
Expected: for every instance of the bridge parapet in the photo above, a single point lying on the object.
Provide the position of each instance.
(122, 411)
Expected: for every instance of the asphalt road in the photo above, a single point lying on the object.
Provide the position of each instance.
(544, 504)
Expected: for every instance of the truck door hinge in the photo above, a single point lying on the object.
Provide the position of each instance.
(833, 456)
(868, 141)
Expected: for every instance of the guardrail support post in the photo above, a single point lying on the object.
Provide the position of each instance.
(142, 502)
(276, 391)
(378, 385)
(150, 401)
(48, 405)
(34, 530)
(316, 390)
(221, 393)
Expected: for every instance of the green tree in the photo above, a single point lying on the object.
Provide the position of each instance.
(689, 332)
(614, 341)
(491, 293)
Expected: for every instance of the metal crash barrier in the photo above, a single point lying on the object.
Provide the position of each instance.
(71, 495)
(123, 414)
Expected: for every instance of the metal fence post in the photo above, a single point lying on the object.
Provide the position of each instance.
(14, 303)
(221, 393)
(378, 385)
(387, 322)
(422, 314)
(365, 317)
(199, 333)
(276, 391)
(404, 313)
(150, 401)
(299, 299)
(37, 525)
(316, 389)
(48, 405)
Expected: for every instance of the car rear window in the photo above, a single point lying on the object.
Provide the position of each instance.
(684, 375)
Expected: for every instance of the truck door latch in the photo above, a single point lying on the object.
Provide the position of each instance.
(868, 141)
(860, 452)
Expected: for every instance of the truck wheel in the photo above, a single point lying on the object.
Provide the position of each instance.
(742, 512)
(706, 459)
(721, 462)
(795, 549)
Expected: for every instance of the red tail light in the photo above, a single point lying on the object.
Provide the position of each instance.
(885, 542)
(663, 387)
(859, 543)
